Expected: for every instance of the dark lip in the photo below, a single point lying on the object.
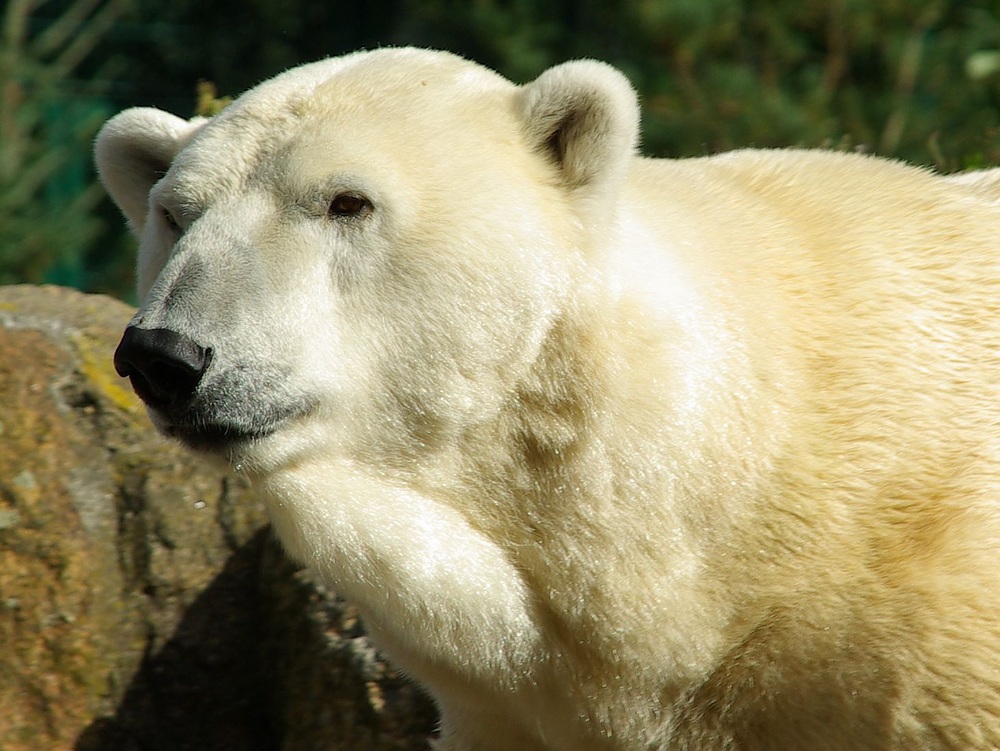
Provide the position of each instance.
(225, 416)
(215, 438)
(221, 437)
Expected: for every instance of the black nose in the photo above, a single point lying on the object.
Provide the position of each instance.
(164, 366)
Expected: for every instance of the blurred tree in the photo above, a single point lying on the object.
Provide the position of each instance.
(888, 77)
(47, 193)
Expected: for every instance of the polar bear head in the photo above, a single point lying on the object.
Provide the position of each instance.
(365, 253)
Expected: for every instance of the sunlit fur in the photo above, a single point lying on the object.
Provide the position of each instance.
(612, 452)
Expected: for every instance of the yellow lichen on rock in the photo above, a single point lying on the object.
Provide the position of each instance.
(95, 365)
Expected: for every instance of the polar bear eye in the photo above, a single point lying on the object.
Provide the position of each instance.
(348, 205)
(171, 220)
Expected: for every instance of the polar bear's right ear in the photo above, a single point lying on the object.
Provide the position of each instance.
(585, 116)
(134, 150)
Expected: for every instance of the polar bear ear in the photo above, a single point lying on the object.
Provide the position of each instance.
(134, 150)
(585, 115)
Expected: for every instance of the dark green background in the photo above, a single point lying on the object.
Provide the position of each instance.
(912, 79)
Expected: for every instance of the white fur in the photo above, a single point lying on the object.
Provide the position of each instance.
(613, 453)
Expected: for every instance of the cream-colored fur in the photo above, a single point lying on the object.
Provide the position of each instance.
(613, 453)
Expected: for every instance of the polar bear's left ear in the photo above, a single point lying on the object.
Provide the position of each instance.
(134, 150)
(585, 115)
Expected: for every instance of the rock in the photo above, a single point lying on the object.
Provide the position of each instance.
(143, 601)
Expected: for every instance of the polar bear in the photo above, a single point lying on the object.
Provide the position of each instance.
(985, 181)
(612, 452)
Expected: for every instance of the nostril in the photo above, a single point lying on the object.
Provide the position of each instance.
(165, 366)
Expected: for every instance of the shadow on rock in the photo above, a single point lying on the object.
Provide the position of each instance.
(265, 659)
(205, 688)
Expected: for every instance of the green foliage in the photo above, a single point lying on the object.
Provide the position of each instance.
(889, 77)
(208, 103)
(914, 79)
(48, 225)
